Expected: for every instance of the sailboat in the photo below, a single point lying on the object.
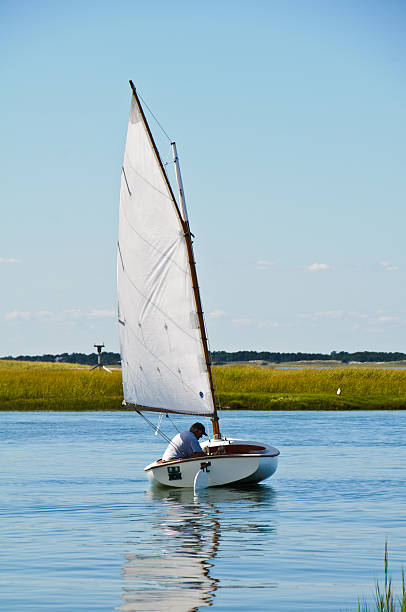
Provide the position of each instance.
(165, 357)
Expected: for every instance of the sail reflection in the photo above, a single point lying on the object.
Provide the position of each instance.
(172, 564)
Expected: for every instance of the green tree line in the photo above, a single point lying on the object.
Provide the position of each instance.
(221, 357)
(108, 358)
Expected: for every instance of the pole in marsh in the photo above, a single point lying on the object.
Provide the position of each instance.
(99, 365)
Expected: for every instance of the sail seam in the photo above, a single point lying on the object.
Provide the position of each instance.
(163, 255)
(166, 195)
(161, 311)
(164, 314)
(121, 257)
(126, 182)
(163, 363)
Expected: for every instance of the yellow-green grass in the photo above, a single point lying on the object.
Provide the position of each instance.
(56, 386)
(53, 386)
(20, 366)
(244, 387)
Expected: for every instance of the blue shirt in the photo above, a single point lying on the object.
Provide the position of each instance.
(182, 446)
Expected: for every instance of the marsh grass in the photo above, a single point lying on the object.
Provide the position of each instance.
(20, 366)
(37, 386)
(353, 381)
(385, 599)
(61, 386)
(244, 387)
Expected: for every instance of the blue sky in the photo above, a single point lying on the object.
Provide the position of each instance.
(289, 119)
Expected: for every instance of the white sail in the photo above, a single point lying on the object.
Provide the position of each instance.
(163, 361)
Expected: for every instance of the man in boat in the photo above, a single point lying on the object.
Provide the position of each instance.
(186, 444)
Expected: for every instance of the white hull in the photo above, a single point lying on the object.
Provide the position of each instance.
(227, 462)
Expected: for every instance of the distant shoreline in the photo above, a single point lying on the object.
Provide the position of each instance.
(236, 357)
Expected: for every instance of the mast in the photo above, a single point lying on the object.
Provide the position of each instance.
(214, 418)
(179, 182)
(195, 284)
(187, 234)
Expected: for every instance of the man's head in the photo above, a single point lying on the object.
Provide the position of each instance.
(198, 429)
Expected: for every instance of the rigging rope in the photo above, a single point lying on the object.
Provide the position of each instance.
(157, 430)
(158, 427)
(173, 422)
(146, 106)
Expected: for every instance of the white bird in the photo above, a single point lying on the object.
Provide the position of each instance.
(338, 391)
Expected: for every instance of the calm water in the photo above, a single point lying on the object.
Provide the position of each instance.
(82, 530)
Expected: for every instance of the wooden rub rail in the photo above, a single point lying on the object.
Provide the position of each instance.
(235, 449)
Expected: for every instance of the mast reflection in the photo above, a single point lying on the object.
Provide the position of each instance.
(171, 567)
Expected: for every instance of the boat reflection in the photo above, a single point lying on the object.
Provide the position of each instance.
(174, 550)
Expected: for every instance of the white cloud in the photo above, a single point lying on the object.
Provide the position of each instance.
(379, 317)
(9, 260)
(317, 267)
(217, 314)
(327, 314)
(330, 314)
(264, 264)
(242, 322)
(74, 313)
(378, 321)
(65, 315)
(44, 315)
(356, 327)
(100, 314)
(266, 323)
(358, 315)
(16, 314)
(387, 266)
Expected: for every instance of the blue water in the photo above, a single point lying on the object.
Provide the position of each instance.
(82, 530)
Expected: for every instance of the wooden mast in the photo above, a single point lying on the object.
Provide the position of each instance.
(214, 418)
(195, 284)
(192, 264)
